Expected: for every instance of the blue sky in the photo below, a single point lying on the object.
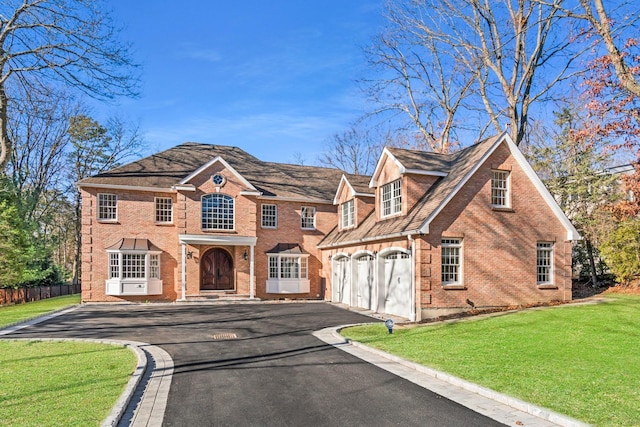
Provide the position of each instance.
(271, 77)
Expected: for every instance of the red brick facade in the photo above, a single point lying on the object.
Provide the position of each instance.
(498, 254)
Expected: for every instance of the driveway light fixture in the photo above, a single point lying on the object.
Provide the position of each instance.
(389, 324)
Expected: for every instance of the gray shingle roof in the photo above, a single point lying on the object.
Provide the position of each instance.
(169, 167)
(457, 165)
(360, 183)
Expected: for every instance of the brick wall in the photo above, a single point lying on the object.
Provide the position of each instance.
(499, 245)
(136, 219)
(136, 210)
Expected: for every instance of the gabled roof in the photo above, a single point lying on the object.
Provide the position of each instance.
(412, 161)
(224, 164)
(170, 168)
(460, 166)
(358, 186)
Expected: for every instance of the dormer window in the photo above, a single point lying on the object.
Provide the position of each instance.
(391, 199)
(347, 214)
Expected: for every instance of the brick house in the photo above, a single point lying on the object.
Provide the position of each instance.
(427, 234)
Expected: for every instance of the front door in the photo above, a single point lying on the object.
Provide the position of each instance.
(216, 267)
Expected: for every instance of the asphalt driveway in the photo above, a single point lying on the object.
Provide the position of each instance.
(259, 365)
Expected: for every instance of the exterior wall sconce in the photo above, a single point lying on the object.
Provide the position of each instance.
(189, 254)
(245, 256)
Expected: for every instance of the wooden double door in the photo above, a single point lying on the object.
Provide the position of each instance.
(216, 270)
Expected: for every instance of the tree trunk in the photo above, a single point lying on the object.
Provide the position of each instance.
(5, 142)
(592, 263)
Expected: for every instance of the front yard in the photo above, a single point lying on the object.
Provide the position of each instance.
(582, 361)
(58, 383)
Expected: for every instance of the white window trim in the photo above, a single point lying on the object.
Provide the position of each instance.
(155, 203)
(351, 213)
(458, 245)
(146, 285)
(542, 246)
(275, 219)
(98, 208)
(507, 189)
(392, 199)
(302, 217)
(233, 219)
(280, 285)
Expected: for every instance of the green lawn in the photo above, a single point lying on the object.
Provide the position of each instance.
(48, 383)
(15, 313)
(582, 361)
(45, 383)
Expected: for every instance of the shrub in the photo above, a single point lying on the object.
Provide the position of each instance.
(621, 250)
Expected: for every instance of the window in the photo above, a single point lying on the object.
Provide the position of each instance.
(288, 273)
(217, 212)
(164, 210)
(308, 218)
(347, 214)
(451, 265)
(154, 266)
(500, 189)
(273, 267)
(134, 273)
(545, 263)
(269, 216)
(391, 198)
(114, 266)
(107, 207)
(133, 265)
(287, 267)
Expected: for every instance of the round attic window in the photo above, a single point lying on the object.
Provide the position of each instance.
(218, 179)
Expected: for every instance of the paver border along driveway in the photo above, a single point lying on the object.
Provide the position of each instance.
(259, 364)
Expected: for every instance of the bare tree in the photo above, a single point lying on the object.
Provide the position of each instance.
(71, 42)
(38, 127)
(600, 21)
(354, 151)
(507, 55)
(422, 79)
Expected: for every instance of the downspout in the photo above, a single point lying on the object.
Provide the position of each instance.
(184, 272)
(412, 317)
(252, 285)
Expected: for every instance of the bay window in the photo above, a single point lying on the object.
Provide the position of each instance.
(288, 273)
(134, 268)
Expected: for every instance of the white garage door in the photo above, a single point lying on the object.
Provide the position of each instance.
(397, 280)
(341, 283)
(365, 273)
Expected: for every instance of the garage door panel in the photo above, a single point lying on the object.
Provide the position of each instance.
(397, 274)
(341, 283)
(365, 281)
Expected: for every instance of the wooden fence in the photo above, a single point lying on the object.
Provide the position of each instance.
(22, 295)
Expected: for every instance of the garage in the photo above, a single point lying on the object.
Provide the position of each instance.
(341, 282)
(365, 273)
(396, 290)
